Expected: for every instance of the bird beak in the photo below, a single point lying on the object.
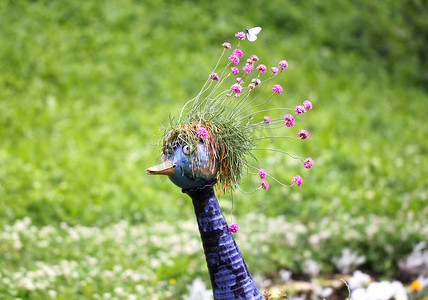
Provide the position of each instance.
(165, 168)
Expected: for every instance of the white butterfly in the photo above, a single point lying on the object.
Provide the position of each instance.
(252, 33)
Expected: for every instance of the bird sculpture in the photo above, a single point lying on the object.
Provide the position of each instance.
(207, 146)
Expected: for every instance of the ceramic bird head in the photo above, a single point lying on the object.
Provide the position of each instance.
(218, 130)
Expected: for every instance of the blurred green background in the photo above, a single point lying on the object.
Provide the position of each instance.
(86, 85)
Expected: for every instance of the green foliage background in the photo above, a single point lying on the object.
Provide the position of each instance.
(86, 85)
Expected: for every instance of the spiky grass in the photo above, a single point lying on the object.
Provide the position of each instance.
(229, 119)
(227, 140)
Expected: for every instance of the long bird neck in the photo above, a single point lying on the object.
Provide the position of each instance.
(229, 274)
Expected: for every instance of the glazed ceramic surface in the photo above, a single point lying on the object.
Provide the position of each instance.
(193, 166)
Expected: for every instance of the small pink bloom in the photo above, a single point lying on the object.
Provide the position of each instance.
(298, 180)
(308, 163)
(237, 89)
(234, 59)
(256, 81)
(250, 61)
(288, 120)
(214, 76)
(300, 110)
(226, 45)
(252, 86)
(274, 70)
(235, 70)
(277, 89)
(240, 35)
(307, 104)
(238, 52)
(283, 64)
(262, 68)
(239, 80)
(262, 173)
(248, 68)
(303, 134)
(233, 227)
(264, 184)
(202, 132)
(254, 58)
(267, 119)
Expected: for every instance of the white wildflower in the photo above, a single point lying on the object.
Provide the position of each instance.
(417, 262)
(311, 268)
(198, 291)
(348, 261)
(358, 280)
(285, 275)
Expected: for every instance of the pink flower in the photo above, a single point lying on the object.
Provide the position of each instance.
(262, 68)
(288, 120)
(233, 227)
(250, 61)
(239, 80)
(298, 180)
(277, 89)
(248, 68)
(274, 70)
(202, 132)
(262, 173)
(226, 45)
(303, 134)
(256, 81)
(283, 64)
(214, 76)
(307, 104)
(300, 110)
(254, 58)
(308, 163)
(234, 59)
(235, 70)
(240, 35)
(267, 119)
(238, 52)
(237, 89)
(264, 184)
(252, 86)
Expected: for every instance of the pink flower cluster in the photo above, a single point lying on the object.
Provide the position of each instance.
(256, 81)
(226, 45)
(237, 88)
(233, 227)
(308, 163)
(202, 132)
(248, 68)
(240, 35)
(301, 109)
(303, 134)
(283, 64)
(235, 70)
(263, 183)
(274, 70)
(277, 89)
(262, 68)
(298, 180)
(214, 76)
(288, 120)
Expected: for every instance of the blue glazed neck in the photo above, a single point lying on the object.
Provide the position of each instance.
(229, 274)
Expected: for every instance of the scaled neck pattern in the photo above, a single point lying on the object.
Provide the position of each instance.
(229, 274)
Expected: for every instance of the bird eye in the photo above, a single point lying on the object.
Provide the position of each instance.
(187, 149)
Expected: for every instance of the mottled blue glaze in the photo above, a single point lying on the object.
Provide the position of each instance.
(192, 172)
(229, 274)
